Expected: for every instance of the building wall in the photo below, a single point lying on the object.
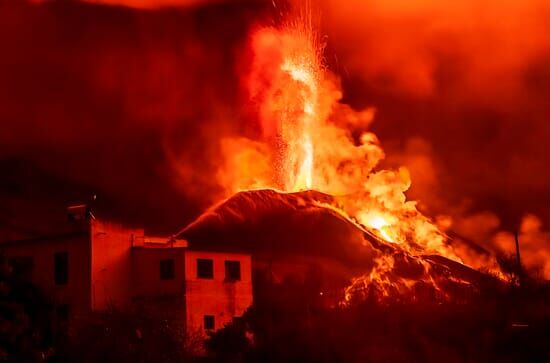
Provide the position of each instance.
(217, 297)
(111, 264)
(159, 298)
(146, 272)
(76, 292)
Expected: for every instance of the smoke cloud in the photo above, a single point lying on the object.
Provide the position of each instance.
(460, 90)
(131, 104)
(469, 78)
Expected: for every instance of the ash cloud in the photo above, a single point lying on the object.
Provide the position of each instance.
(469, 79)
(461, 93)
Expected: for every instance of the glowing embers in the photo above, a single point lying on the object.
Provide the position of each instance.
(378, 223)
(297, 127)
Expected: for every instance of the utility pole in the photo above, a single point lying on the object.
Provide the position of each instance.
(518, 260)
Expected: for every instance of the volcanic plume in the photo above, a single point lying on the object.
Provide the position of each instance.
(307, 140)
(277, 225)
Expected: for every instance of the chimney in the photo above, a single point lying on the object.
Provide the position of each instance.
(79, 213)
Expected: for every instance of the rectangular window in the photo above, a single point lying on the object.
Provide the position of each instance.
(62, 312)
(232, 270)
(61, 268)
(167, 269)
(209, 322)
(205, 268)
(22, 267)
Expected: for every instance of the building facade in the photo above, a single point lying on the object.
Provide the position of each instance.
(95, 265)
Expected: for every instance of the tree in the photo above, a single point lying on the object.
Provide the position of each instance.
(26, 317)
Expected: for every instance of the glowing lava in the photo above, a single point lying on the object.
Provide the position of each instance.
(298, 118)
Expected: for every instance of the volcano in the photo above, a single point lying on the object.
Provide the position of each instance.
(286, 225)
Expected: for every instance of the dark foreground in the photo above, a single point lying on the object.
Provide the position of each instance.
(290, 323)
(512, 325)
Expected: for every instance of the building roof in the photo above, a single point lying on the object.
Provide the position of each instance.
(158, 242)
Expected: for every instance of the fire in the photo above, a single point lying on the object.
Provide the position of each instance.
(299, 166)
(310, 140)
(379, 223)
(297, 117)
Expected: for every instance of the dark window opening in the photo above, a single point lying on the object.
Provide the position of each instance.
(167, 269)
(61, 268)
(232, 270)
(205, 268)
(209, 322)
(22, 267)
(62, 312)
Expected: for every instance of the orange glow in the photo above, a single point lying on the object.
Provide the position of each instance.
(300, 155)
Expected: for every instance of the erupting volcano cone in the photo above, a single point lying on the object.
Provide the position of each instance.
(267, 222)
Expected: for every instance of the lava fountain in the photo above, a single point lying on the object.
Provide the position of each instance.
(310, 140)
